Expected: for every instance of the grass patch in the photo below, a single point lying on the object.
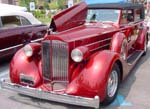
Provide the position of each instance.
(45, 20)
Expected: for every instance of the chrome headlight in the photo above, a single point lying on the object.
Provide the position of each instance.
(77, 55)
(28, 50)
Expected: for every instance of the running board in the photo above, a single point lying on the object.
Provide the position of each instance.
(134, 57)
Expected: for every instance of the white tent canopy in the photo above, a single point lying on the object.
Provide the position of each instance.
(7, 7)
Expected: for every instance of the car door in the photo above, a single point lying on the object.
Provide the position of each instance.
(10, 32)
(39, 32)
(135, 24)
(127, 27)
(33, 33)
(130, 27)
(138, 18)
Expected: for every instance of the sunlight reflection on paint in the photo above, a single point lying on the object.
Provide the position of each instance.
(120, 101)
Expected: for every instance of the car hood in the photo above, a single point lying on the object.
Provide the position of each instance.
(82, 32)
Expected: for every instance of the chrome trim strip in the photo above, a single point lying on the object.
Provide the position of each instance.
(99, 47)
(98, 42)
(36, 40)
(19, 45)
(52, 96)
(9, 48)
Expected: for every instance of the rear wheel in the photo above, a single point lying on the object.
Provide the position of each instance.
(112, 85)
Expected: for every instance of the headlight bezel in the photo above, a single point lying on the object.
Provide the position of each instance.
(80, 53)
(77, 55)
(28, 50)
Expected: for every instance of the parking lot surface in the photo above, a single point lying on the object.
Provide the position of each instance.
(134, 92)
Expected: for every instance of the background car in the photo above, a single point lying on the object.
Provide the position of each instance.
(18, 28)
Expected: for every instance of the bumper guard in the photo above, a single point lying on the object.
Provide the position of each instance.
(52, 96)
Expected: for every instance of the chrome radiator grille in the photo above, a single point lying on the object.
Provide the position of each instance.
(59, 60)
(56, 57)
(46, 59)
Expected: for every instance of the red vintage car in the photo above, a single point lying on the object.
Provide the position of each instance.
(18, 28)
(82, 60)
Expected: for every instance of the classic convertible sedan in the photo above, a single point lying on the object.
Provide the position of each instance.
(16, 29)
(88, 52)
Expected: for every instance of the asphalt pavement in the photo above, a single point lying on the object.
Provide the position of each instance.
(134, 92)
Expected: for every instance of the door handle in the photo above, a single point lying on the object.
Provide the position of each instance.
(27, 32)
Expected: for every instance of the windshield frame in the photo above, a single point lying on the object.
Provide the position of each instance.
(116, 22)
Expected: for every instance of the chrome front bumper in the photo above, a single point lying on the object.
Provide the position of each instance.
(52, 96)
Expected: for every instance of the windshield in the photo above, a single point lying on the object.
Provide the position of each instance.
(102, 15)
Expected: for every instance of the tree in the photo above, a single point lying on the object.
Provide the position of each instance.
(57, 4)
(46, 5)
(53, 5)
(61, 4)
(26, 3)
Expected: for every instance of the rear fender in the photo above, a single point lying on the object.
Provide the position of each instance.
(92, 79)
(20, 64)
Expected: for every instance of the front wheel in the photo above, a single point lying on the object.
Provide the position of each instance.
(112, 85)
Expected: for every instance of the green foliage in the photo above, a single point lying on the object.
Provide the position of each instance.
(46, 20)
(61, 4)
(46, 5)
(57, 4)
(39, 13)
(53, 5)
(26, 3)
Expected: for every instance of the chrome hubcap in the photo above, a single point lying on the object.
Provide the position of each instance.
(112, 84)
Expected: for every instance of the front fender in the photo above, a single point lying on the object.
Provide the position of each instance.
(20, 64)
(93, 77)
(117, 41)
